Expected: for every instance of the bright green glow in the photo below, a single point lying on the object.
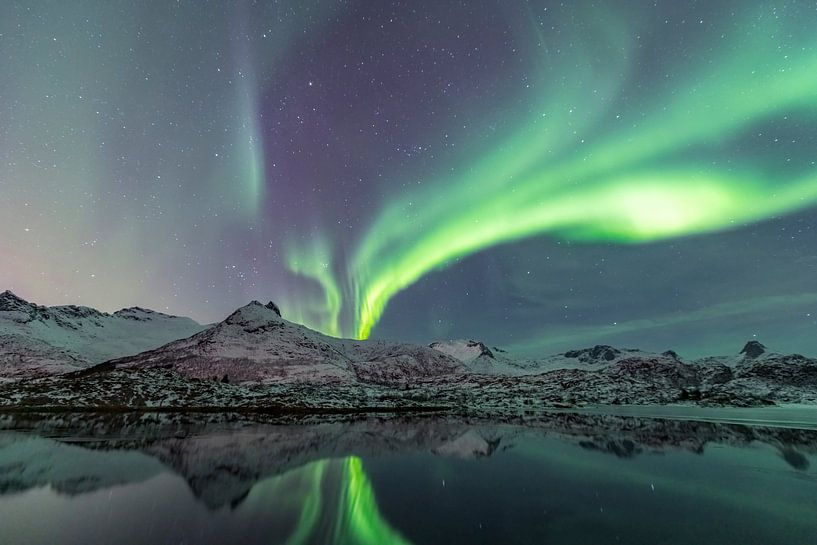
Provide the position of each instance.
(311, 505)
(359, 520)
(314, 261)
(638, 207)
(245, 168)
(327, 501)
(250, 146)
(647, 177)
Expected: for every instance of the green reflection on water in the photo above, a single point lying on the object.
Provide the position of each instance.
(359, 519)
(328, 501)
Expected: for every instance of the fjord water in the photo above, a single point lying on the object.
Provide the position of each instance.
(563, 479)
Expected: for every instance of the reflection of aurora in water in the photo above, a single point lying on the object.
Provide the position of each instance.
(328, 501)
(572, 479)
(594, 160)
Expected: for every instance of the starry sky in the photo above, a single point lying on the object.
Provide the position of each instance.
(536, 174)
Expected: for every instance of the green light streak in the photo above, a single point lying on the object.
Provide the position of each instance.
(359, 519)
(314, 261)
(249, 144)
(311, 505)
(327, 501)
(637, 207)
(628, 181)
(282, 28)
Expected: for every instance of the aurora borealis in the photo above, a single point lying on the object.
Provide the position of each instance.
(535, 174)
(329, 501)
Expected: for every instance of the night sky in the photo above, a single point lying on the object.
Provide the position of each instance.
(539, 175)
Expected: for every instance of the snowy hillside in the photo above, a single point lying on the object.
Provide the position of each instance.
(395, 377)
(255, 344)
(479, 358)
(77, 336)
(21, 356)
(257, 360)
(465, 351)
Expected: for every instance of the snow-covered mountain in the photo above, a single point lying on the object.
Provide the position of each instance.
(21, 356)
(474, 354)
(753, 376)
(466, 351)
(257, 360)
(255, 344)
(37, 340)
(479, 358)
(760, 372)
(360, 376)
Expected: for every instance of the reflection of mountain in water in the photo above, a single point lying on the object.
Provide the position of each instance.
(223, 461)
(29, 461)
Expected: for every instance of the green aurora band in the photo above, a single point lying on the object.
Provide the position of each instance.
(654, 175)
(314, 262)
(360, 521)
(256, 69)
(327, 501)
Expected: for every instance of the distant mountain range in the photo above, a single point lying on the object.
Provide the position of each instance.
(78, 357)
(37, 340)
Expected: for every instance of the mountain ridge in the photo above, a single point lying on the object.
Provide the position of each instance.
(82, 336)
(255, 359)
(255, 343)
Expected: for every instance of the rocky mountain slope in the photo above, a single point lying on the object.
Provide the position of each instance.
(256, 345)
(256, 360)
(22, 356)
(154, 380)
(38, 340)
(480, 358)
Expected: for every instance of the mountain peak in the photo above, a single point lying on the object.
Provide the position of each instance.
(9, 301)
(135, 309)
(8, 294)
(753, 349)
(139, 314)
(463, 350)
(272, 306)
(255, 312)
(672, 354)
(598, 353)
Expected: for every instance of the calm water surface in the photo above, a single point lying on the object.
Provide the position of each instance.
(562, 479)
